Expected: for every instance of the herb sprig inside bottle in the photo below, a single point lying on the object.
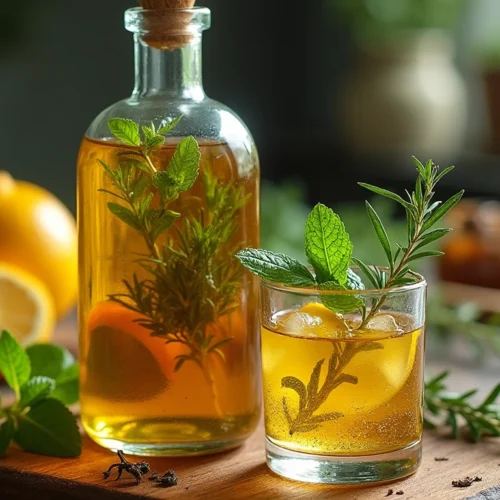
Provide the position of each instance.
(192, 279)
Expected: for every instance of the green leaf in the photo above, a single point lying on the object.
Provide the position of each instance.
(492, 397)
(276, 267)
(386, 194)
(67, 385)
(49, 428)
(432, 236)
(155, 141)
(36, 389)
(58, 363)
(381, 233)
(340, 303)
(369, 272)
(184, 165)
(164, 223)
(107, 169)
(49, 360)
(421, 255)
(139, 187)
(442, 210)
(125, 215)
(7, 431)
(420, 166)
(149, 132)
(125, 130)
(452, 422)
(328, 247)
(14, 362)
(170, 126)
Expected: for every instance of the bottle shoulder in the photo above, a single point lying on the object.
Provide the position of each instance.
(206, 118)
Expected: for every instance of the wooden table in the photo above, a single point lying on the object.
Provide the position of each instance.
(243, 474)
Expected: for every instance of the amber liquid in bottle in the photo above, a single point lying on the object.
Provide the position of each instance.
(130, 390)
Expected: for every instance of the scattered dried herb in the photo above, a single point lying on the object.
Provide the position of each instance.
(466, 482)
(137, 470)
(400, 492)
(168, 479)
(441, 459)
(389, 492)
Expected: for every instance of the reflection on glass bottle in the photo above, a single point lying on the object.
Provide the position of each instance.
(168, 318)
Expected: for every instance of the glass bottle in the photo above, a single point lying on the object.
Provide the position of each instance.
(168, 323)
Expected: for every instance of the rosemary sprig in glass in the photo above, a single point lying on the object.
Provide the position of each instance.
(422, 213)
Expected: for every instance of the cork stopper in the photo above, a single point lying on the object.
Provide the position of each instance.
(167, 23)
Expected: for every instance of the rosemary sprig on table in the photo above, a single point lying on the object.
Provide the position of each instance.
(445, 408)
(192, 276)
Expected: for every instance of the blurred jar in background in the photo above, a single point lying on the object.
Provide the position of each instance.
(472, 250)
(405, 94)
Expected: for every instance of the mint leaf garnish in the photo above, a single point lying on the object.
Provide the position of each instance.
(125, 130)
(14, 363)
(49, 360)
(67, 386)
(342, 304)
(49, 428)
(328, 247)
(35, 390)
(58, 364)
(37, 421)
(7, 431)
(276, 267)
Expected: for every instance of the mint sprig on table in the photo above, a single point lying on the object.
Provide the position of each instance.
(44, 378)
(329, 249)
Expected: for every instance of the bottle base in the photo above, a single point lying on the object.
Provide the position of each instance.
(170, 437)
(343, 469)
(168, 450)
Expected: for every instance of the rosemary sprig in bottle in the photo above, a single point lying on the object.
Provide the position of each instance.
(192, 279)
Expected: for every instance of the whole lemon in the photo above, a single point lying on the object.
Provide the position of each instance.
(38, 234)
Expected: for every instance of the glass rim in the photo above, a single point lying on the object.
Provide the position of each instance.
(419, 283)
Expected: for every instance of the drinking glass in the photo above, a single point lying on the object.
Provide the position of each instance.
(343, 393)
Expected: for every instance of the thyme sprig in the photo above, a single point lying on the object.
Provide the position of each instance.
(192, 277)
(445, 408)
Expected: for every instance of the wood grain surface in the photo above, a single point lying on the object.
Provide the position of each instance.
(243, 474)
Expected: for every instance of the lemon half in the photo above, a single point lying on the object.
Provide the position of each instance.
(26, 306)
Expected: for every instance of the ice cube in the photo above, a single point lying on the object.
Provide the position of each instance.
(384, 323)
(300, 323)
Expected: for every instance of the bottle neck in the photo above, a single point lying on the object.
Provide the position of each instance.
(168, 73)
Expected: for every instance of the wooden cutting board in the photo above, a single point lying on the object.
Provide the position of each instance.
(243, 474)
